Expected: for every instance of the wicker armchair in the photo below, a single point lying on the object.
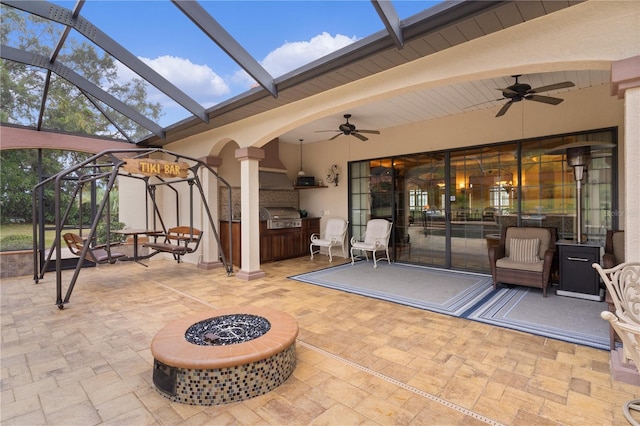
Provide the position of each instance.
(524, 256)
(613, 249)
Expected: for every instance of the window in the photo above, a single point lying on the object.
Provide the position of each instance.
(449, 204)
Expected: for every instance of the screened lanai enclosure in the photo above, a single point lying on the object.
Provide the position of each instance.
(169, 182)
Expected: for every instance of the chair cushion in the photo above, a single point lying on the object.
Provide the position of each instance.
(360, 245)
(325, 243)
(507, 263)
(101, 255)
(524, 250)
(544, 235)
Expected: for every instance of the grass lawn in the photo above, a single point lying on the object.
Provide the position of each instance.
(23, 232)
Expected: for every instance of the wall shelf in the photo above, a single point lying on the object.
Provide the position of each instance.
(310, 187)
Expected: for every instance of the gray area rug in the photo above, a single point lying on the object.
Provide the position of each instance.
(558, 317)
(471, 296)
(446, 292)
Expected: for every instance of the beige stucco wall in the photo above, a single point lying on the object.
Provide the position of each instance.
(582, 110)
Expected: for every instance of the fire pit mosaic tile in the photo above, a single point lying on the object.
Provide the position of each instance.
(223, 366)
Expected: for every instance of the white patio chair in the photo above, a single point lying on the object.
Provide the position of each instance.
(623, 285)
(334, 235)
(375, 239)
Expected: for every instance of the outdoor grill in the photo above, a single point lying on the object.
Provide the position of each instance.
(281, 217)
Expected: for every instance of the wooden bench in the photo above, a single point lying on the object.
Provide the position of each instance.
(178, 241)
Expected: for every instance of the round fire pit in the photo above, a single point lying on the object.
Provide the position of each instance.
(224, 356)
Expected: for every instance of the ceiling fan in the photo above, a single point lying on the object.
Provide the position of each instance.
(520, 91)
(350, 129)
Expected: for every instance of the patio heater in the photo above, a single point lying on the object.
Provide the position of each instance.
(578, 155)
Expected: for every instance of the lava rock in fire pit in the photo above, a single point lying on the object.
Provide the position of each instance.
(227, 330)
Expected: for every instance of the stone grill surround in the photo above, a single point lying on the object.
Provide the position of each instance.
(211, 375)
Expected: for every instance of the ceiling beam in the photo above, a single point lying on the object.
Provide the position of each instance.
(33, 59)
(389, 17)
(203, 20)
(64, 16)
(52, 59)
(104, 112)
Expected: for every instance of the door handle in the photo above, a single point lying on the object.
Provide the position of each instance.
(577, 259)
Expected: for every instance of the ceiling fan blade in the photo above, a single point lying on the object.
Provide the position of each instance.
(362, 138)
(544, 99)
(374, 132)
(482, 103)
(556, 86)
(333, 137)
(504, 108)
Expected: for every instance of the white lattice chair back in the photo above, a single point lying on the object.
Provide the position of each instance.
(335, 229)
(623, 285)
(378, 232)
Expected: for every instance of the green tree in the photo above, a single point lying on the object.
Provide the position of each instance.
(67, 108)
(19, 174)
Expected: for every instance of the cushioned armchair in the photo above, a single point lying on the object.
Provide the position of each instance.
(613, 249)
(335, 232)
(524, 256)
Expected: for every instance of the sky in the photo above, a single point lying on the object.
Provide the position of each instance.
(280, 35)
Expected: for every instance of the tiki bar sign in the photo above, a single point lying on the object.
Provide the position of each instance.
(161, 168)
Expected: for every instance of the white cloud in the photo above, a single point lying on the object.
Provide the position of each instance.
(292, 55)
(207, 88)
(198, 81)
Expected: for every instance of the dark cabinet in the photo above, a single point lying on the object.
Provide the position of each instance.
(275, 244)
(577, 276)
(285, 243)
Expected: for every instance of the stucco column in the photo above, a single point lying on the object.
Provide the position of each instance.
(625, 83)
(250, 218)
(210, 251)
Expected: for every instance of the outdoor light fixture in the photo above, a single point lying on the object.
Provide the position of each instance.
(578, 155)
(333, 174)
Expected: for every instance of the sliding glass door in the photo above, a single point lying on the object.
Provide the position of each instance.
(482, 194)
(449, 207)
(424, 234)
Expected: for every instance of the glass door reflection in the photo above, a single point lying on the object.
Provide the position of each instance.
(482, 182)
(423, 237)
